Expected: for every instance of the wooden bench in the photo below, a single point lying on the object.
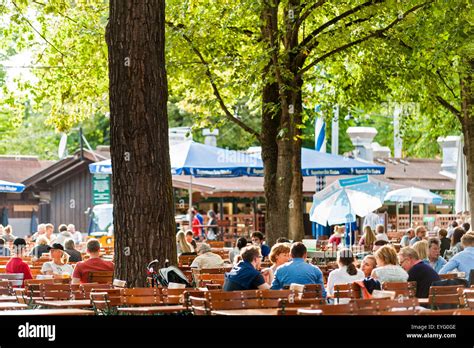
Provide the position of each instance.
(101, 277)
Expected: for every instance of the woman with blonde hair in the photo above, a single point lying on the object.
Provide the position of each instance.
(388, 269)
(182, 244)
(41, 247)
(421, 248)
(279, 254)
(368, 238)
(58, 266)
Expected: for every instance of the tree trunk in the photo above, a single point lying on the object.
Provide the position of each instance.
(144, 225)
(467, 121)
(296, 225)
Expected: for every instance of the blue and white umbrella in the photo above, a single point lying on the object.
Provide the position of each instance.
(102, 167)
(413, 195)
(343, 200)
(201, 160)
(316, 163)
(10, 187)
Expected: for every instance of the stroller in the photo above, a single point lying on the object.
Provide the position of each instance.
(164, 276)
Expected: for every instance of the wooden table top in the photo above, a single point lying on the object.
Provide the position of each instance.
(66, 311)
(247, 311)
(7, 299)
(65, 303)
(12, 305)
(151, 309)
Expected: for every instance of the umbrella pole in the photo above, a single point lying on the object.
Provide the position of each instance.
(411, 214)
(191, 200)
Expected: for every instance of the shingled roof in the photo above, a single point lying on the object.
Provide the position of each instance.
(19, 168)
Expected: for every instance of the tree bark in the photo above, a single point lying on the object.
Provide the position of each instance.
(144, 225)
(467, 122)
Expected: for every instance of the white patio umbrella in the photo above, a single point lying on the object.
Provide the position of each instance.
(413, 195)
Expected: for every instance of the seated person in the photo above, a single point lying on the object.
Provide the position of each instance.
(58, 266)
(434, 259)
(346, 273)
(367, 266)
(257, 240)
(190, 239)
(279, 255)
(464, 260)
(4, 251)
(367, 239)
(418, 271)
(380, 233)
(63, 234)
(16, 263)
(239, 245)
(388, 269)
(70, 249)
(7, 235)
(409, 234)
(206, 258)
(445, 241)
(420, 233)
(93, 264)
(183, 247)
(41, 247)
(336, 237)
(297, 270)
(244, 275)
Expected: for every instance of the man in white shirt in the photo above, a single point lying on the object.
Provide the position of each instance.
(372, 220)
(207, 259)
(380, 233)
(76, 235)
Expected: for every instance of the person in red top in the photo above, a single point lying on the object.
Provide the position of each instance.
(16, 263)
(93, 264)
(336, 238)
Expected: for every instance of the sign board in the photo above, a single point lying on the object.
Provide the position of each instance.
(100, 189)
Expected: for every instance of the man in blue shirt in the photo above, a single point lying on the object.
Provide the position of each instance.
(244, 275)
(434, 259)
(464, 260)
(297, 270)
(257, 240)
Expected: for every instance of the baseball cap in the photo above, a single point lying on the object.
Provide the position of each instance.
(56, 246)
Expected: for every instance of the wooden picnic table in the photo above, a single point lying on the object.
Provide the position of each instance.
(246, 311)
(7, 299)
(66, 311)
(151, 309)
(4, 306)
(65, 303)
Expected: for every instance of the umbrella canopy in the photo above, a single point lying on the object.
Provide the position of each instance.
(462, 196)
(201, 160)
(6, 186)
(102, 167)
(414, 195)
(324, 164)
(341, 201)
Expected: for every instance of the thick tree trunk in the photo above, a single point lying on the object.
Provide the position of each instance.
(276, 219)
(296, 225)
(467, 121)
(144, 225)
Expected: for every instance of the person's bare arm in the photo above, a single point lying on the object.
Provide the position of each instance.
(264, 286)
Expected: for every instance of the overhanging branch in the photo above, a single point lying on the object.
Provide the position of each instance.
(215, 90)
(376, 33)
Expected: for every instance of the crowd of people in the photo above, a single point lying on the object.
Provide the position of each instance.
(419, 259)
(62, 247)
